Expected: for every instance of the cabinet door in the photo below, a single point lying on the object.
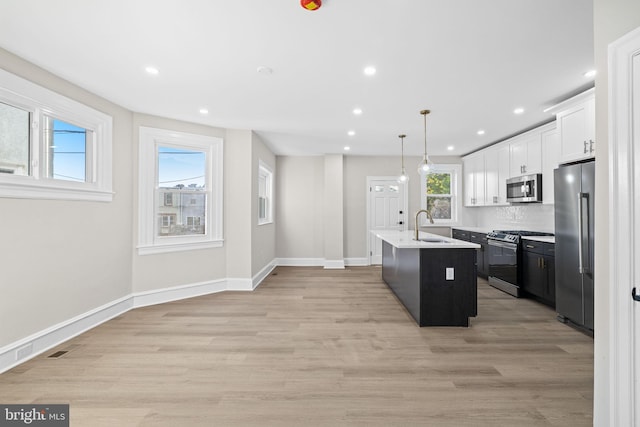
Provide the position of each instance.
(550, 161)
(517, 157)
(491, 176)
(533, 163)
(503, 173)
(577, 132)
(550, 268)
(474, 180)
(533, 275)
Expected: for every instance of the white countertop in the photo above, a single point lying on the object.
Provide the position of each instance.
(546, 239)
(404, 239)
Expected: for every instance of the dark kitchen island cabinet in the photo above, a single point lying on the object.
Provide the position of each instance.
(437, 284)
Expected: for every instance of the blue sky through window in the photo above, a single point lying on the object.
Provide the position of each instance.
(179, 166)
(68, 152)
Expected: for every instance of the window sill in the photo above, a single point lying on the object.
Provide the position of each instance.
(178, 247)
(57, 191)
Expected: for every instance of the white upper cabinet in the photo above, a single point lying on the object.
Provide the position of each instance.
(474, 179)
(526, 154)
(496, 162)
(576, 124)
(550, 161)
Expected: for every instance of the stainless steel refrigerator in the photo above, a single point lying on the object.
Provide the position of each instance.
(574, 187)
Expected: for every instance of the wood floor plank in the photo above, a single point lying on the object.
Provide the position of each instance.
(317, 347)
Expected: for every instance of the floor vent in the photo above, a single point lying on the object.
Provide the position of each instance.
(58, 354)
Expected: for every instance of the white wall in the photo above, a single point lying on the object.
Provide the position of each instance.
(263, 237)
(612, 19)
(61, 259)
(300, 207)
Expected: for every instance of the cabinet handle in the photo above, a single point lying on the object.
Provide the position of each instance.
(591, 142)
(542, 263)
(495, 199)
(539, 263)
(585, 147)
(524, 168)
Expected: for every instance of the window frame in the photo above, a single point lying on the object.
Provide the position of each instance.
(149, 141)
(42, 103)
(456, 190)
(266, 173)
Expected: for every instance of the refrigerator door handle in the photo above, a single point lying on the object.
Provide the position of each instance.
(580, 265)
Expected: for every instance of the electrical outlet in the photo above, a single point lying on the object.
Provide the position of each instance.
(449, 273)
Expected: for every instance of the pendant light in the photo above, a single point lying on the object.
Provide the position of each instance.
(403, 174)
(424, 166)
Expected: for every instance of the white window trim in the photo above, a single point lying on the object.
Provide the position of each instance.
(267, 172)
(40, 101)
(456, 185)
(150, 139)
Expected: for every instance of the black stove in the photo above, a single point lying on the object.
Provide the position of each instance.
(513, 236)
(505, 258)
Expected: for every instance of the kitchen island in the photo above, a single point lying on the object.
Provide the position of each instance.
(434, 277)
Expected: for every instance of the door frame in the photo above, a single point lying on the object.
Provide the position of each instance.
(622, 369)
(405, 206)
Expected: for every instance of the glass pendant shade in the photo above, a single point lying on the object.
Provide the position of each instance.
(403, 173)
(425, 164)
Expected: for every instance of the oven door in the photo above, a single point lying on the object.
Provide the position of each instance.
(503, 266)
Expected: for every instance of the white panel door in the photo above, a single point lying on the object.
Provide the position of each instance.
(624, 239)
(386, 207)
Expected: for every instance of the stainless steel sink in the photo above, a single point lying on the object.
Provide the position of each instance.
(431, 240)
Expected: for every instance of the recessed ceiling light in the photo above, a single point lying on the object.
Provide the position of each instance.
(518, 110)
(590, 73)
(152, 70)
(351, 133)
(357, 111)
(204, 111)
(347, 148)
(450, 148)
(369, 71)
(480, 132)
(265, 71)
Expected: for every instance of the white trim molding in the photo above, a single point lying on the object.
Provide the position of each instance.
(300, 262)
(27, 348)
(334, 264)
(624, 56)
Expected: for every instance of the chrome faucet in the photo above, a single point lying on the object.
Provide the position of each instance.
(428, 212)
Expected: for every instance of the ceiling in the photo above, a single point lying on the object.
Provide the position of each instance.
(470, 62)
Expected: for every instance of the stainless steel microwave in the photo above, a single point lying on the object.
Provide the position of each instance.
(525, 189)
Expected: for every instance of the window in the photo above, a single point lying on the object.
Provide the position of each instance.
(180, 186)
(51, 147)
(265, 194)
(440, 188)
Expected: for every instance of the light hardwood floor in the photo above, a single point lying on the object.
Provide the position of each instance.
(317, 347)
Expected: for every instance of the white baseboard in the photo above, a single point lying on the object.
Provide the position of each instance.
(356, 262)
(36, 344)
(300, 262)
(262, 274)
(336, 264)
(161, 296)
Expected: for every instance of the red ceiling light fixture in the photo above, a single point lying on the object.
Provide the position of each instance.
(311, 4)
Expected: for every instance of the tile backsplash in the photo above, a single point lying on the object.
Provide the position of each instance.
(528, 216)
